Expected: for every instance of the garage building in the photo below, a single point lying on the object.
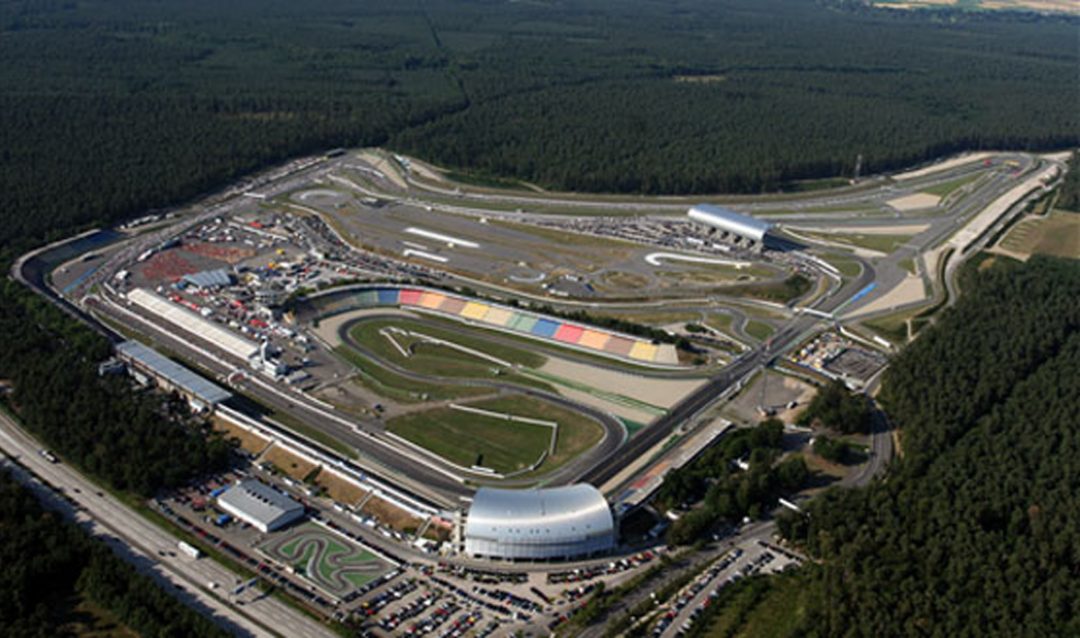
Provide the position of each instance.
(541, 524)
(261, 505)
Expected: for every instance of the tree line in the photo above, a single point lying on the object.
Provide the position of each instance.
(714, 490)
(135, 442)
(975, 531)
(50, 564)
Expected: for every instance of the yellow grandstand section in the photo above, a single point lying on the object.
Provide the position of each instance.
(643, 351)
(474, 310)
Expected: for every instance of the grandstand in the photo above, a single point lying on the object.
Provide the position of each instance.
(729, 221)
(200, 393)
(590, 339)
(213, 333)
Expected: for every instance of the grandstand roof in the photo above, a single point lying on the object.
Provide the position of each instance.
(537, 524)
(728, 220)
(212, 332)
(175, 374)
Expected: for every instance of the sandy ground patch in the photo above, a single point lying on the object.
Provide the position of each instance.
(387, 167)
(328, 327)
(339, 489)
(390, 516)
(660, 392)
(908, 291)
(805, 393)
(249, 441)
(915, 201)
(288, 462)
(618, 409)
(901, 229)
(959, 160)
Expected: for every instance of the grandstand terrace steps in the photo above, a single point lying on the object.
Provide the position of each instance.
(522, 322)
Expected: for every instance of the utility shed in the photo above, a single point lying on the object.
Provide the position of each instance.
(261, 505)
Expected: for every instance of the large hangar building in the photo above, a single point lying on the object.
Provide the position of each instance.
(541, 524)
(729, 221)
(260, 505)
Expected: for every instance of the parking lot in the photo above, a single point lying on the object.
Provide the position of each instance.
(679, 615)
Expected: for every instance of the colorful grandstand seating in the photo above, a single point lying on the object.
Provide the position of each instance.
(595, 339)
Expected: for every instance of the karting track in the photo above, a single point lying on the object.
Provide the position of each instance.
(333, 564)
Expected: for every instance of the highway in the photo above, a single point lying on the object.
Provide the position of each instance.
(149, 548)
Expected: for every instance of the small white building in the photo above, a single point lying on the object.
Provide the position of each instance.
(261, 505)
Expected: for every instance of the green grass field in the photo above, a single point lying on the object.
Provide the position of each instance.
(470, 439)
(1057, 235)
(772, 607)
(399, 388)
(945, 188)
(367, 334)
(759, 329)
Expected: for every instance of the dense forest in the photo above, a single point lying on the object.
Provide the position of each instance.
(1069, 192)
(108, 109)
(976, 531)
(719, 492)
(127, 439)
(837, 408)
(50, 564)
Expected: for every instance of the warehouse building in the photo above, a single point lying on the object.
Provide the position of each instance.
(729, 221)
(209, 331)
(265, 508)
(150, 364)
(542, 524)
(209, 279)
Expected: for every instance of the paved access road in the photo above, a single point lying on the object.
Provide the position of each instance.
(149, 548)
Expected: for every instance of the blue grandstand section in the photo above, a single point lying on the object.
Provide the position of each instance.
(388, 296)
(545, 328)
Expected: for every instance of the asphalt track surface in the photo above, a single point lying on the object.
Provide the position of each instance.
(706, 395)
(571, 472)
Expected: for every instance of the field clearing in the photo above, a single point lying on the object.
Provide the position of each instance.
(287, 462)
(1057, 235)
(910, 290)
(759, 329)
(915, 201)
(473, 439)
